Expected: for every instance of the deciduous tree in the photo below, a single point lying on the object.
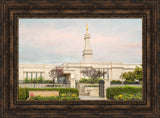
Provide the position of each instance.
(55, 73)
(132, 75)
(93, 73)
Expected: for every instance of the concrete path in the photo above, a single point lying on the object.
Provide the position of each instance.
(91, 98)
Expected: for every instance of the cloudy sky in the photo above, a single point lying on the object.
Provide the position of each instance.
(54, 41)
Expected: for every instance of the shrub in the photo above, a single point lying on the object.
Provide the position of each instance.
(24, 92)
(129, 82)
(45, 98)
(48, 81)
(116, 82)
(114, 91)
(54, 98)
(40, 79)
(26, 80)
(84, 80)
(97, 80)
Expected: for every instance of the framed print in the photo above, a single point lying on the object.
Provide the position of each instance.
(79, 58)
(63, 67)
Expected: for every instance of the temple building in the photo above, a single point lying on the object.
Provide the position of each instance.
(72, 71)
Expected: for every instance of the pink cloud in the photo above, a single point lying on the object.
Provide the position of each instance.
(133, 45)
(57, 40)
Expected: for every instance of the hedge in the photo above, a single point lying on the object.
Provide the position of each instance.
(130, 82)
(38, 80)
(114, 91)
(23, 93)
(116, 82)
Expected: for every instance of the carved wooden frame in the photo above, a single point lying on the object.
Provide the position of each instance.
(11, 10)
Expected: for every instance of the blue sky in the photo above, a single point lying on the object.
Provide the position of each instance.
(54, 41)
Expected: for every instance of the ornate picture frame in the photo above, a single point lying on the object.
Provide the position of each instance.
(12, 10)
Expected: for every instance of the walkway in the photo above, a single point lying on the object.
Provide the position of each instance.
(91, 98)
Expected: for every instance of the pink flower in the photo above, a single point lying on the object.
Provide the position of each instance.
(31, 95)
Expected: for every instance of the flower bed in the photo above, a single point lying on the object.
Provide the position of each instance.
(128, 96)
(52, 97)
(114, 91)
(23, 93)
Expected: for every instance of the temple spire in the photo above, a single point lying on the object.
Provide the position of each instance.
(86, 28)
(87, 53)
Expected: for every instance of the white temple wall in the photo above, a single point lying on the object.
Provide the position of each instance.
(73, 70)
(30, 70)
(115, 74)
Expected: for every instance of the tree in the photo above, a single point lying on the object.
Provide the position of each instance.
(55, 73)
(138, 73)
(128, 76)
(132, 75)
(93, 73)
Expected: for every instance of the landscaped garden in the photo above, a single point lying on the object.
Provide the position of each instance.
(64, 94)
(124, 93)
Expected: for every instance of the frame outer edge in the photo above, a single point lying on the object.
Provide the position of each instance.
(79, 2)
(11, 66)
(158, 57)
(1, 61)
(156, 48)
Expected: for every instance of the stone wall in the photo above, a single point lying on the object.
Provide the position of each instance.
(93, 91)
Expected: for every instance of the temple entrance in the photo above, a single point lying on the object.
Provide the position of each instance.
(64, 81)
(61, 80)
